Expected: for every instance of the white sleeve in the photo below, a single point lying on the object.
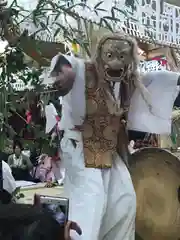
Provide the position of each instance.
(73, 104)
(9, 183)
(162, 86)
(50, 113)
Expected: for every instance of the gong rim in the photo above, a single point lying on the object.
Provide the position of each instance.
(155, 174)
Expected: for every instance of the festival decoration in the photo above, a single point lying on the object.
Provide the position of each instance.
(75, 47)
(155, 64)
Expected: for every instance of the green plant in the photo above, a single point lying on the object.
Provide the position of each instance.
(59, 21)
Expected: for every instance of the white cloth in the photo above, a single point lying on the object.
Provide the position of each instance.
(73, 104)
(51, 113)
(102, 202)
(22, 184)
(62, 173)
(9, 183)
(60, 100)
(59, 171)
(162, 86)
(17, 161)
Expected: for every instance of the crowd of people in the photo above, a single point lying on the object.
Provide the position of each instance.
(20, 163)
(29, 166)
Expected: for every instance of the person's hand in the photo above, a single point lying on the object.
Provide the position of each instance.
(13, 166)
(16, 166)
(67, 228)
(23, 167)
(71, 226)
(50, 184)
(64, 80)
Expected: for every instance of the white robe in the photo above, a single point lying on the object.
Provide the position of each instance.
(102, 202)
(9, 183)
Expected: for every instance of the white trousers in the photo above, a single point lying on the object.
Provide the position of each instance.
(102, 202)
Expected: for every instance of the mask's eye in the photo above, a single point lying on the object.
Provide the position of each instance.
(109, 55)
(121, 57)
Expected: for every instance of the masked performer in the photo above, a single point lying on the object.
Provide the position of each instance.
(96, 98)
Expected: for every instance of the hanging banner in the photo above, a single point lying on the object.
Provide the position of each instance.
(155, 64)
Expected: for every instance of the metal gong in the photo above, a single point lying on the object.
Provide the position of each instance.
(156, 177)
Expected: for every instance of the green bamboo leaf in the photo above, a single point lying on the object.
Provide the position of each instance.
(35, 33)
(107, 25)
(121, 11)
(112, 13)
(44, 26)
(65, 11)
(53, 5)
(96, 12)
(14, 3)
(61, 27)
(100, 23)
(35, 21)
(101, 9)
(112, 18)
(98, 4)
(47, 21)
(23, 9)
(57, 16)
(78, 4)
(57, 32)
(75, 30)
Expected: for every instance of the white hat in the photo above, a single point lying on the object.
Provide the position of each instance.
(53, 63)
(9, 183)
(46, 75)
(71, 59)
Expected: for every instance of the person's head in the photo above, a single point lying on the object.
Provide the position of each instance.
(8, 148)
(116, 57)
(27, 222)
(17, 148)
(19, 221)
(117, 61)
(62, 74)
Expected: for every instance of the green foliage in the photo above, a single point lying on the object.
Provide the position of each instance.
(12, 63)
(13, 68)
(62, 20)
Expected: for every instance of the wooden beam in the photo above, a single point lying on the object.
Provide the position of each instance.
(40, 51)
